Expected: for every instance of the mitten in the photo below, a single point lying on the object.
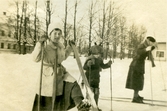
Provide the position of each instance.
(109, 62)
(89, 63)
(71, 42)
(152, 48)
(43, 38)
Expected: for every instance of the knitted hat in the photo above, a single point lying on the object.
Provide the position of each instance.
(53, 26)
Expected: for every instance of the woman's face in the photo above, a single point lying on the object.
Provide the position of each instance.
(96, 55)
(151, 43)
(55, 36)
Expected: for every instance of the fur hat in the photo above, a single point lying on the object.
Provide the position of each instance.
(96, 49)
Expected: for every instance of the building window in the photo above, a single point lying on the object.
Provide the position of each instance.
(9, 46)
(14, 46)
(2, 33)
(9, 34)
(160, 54)
(2, 45)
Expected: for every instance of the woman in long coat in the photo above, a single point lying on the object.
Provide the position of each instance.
(135, 78)
(68, 92)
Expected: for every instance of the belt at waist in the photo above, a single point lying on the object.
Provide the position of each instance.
(50, 65)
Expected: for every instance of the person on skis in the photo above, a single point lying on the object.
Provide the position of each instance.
(92, 66)
(135, 77)
(68, 92)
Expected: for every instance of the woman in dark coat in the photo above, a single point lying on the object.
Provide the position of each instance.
(135, 78)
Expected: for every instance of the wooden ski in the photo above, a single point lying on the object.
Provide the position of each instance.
(89, 92)
(161, 103)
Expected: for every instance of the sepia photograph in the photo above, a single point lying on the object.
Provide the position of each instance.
(83, 55)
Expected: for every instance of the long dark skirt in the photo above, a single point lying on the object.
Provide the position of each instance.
(72, 95)
(46, 103)
(135, 79)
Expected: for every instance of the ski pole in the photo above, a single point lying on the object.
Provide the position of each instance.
(54, 80)
(111, 83)
(111, 55)
(41, 71)
(163, 78)
(151, 59)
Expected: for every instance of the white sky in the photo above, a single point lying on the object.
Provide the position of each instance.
(150, 13)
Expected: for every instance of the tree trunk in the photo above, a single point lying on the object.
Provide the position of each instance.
(65, 24)
(35, 23)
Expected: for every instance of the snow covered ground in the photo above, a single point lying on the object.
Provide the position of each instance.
(18, 75)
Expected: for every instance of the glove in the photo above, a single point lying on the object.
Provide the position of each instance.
(89, 63)
(71, 42)
(84, 105)
(148, 48)
(152, 48)
(109, 62)
(43, 38)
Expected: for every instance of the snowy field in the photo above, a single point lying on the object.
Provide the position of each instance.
(18, 75)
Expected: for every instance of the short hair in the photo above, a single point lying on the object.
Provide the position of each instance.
(55, 29)
(151, 39)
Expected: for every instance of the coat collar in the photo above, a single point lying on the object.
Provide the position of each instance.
(56, 45)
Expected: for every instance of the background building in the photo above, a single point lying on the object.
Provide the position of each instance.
(8, 44)
(160, 52)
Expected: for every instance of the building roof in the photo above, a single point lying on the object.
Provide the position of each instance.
(7, 39)
(161, 42)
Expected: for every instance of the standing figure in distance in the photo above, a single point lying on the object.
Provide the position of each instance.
(93, 65)
(135, 78)
(68, 92)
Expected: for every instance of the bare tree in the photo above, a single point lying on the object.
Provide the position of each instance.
(25, 27)
(136, 35)
(48, 15)
(17, 19)
(20, 28)
(104, 19)
(115, 36)
(108, 30)
(110, 27)
(65, 22)
(91, 19)
(35, 23)
(122, 38)
(75, 13)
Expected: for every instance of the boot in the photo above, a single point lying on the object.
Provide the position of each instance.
(141, 97)
(137, 100)
(99, 109)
